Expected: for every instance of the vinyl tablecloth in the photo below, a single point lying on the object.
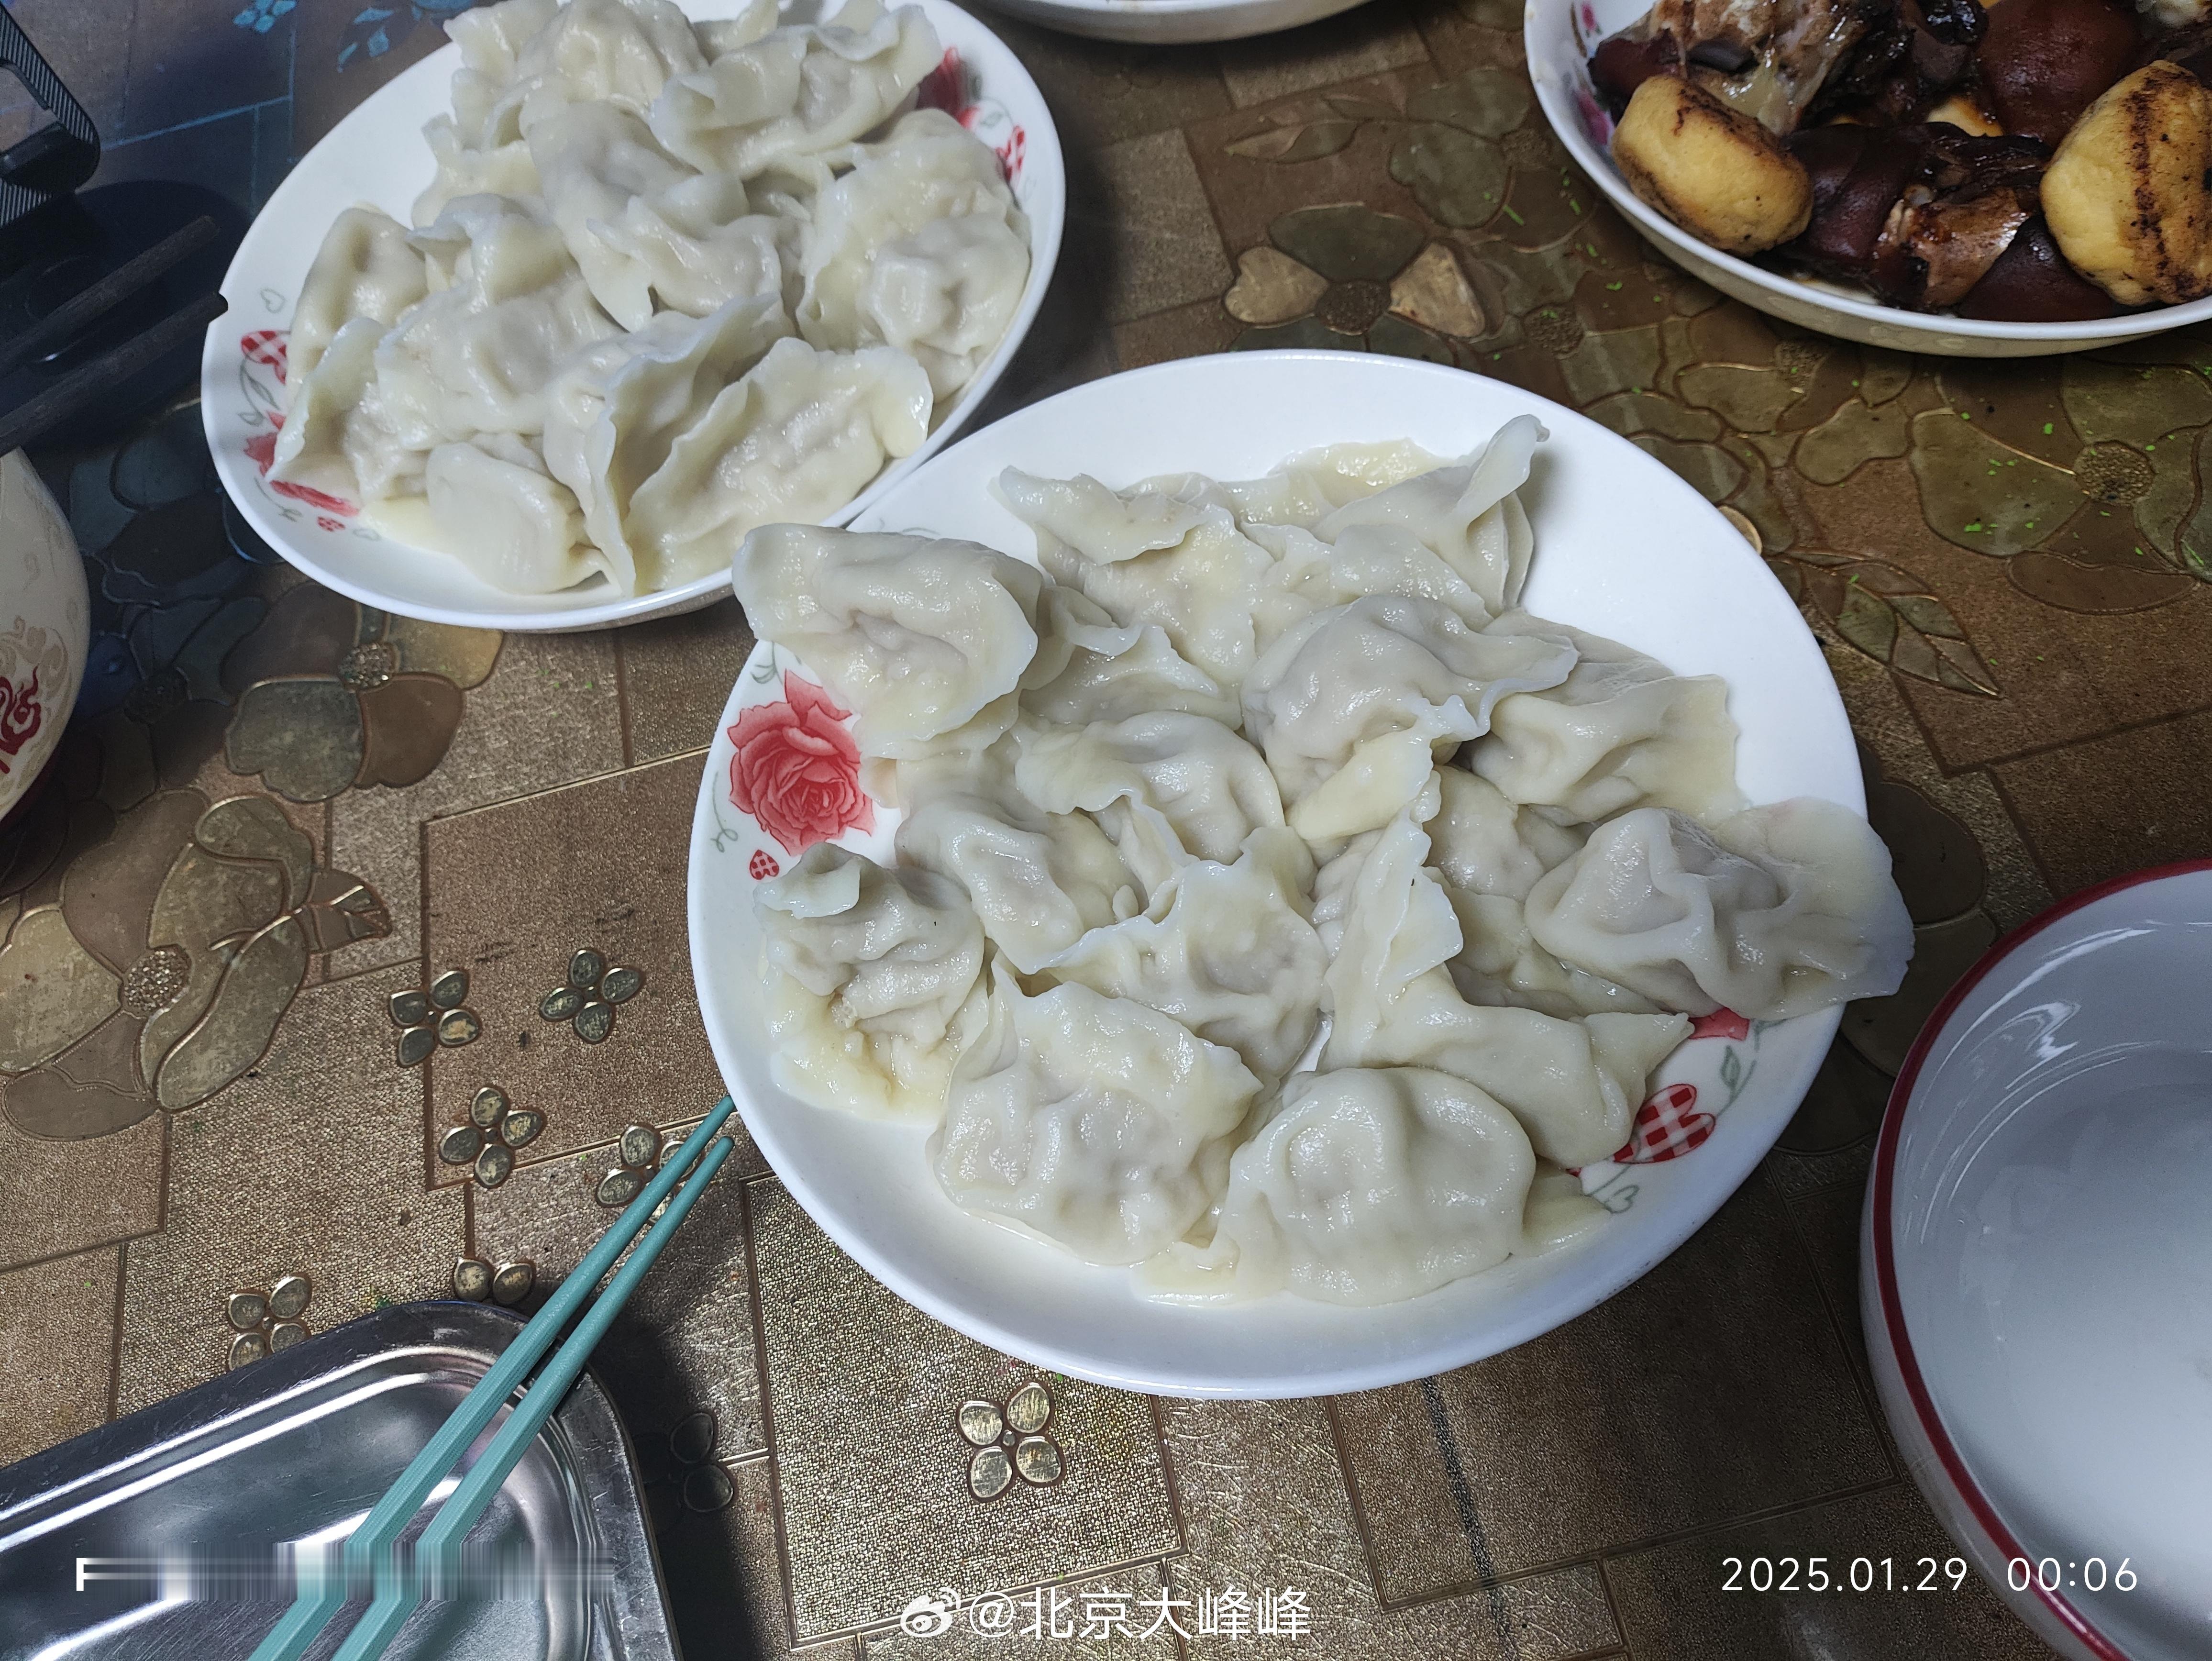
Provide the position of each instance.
(425, 831)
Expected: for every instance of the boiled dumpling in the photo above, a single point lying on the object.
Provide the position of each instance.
(719, 34)
(491, 39)
(494, 508)
(1089, 667)
(616, 52)
(1468, 513)
(946, 294)
(1777, 911)
(1039, 881)
(593, 160)
(1368, 1185)
(873, 982)
(920, 247)
(1499, 962)
(336, 439)
(795, 439)
(1213, 788)
(1481, 841)
(1489, 854)
(1622, 731)
(465, 169)
(703, 242)
(1310, 575)
(1081, 517)
(617, 409)
(1356, 705)
(645, 227)
(915, 635)
(365, 268)
(1306, 488)
(1224, 948)
(798, 93)
(1575, 1086)
(1092, 1121)
(1178, 562)
(476, 355)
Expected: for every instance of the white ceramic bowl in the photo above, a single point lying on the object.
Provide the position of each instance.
(1560, 34)
(45, 628)
(1172, 22)
(2036, 1268)
(1623, 547)
(377, 154)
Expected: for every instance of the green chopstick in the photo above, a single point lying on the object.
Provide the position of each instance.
(371, 1550)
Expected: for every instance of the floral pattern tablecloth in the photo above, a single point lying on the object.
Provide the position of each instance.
(375, 982)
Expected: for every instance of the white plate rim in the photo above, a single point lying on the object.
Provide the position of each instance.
(222, 401)
(1894, 1337)
(1735, 1149)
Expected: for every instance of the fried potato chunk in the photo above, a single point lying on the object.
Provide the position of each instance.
(2125, 195)
(1718, 175)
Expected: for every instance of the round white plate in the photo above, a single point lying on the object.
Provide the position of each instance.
(1173, 22)
(1623, 547)
(1559, 36)
(2036, 1269)
(377, 154)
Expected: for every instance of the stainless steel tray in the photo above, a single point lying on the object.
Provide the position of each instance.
(192, 1505)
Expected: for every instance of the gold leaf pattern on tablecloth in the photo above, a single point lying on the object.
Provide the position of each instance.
(588, 998)
(334, 695)
(174, 950)
(487, 1142)
(2091, 489)
(1346, 277)
(265, 1320)
(434, 1016)
(1889, 614)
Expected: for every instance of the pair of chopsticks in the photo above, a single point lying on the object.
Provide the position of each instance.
(371, 1551)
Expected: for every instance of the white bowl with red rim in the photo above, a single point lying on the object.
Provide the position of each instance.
(1559, 36)
(2036, 1268)
(1623, 548)
(377, 154)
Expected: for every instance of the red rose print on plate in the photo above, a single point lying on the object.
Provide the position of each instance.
(1667, 1127)
(797, 770)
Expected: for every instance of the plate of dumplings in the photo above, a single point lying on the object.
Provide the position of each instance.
(1276, 873)
(542, 329)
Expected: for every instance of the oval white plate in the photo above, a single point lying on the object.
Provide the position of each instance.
(2036, 1270)
(1623, 547)
(377, 154)
(1559, 36)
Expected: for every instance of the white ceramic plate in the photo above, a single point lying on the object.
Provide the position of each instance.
(1173, 22)
(1560, 34)
(2036, 1269)
(377, 154)
(1623, 547)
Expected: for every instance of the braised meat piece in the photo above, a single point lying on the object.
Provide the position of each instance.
(1906, 66)
(2043, 62)
(1766, 58)
(1917, 214)
(2032, 282)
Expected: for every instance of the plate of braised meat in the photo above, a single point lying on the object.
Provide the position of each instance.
(1954, 176)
